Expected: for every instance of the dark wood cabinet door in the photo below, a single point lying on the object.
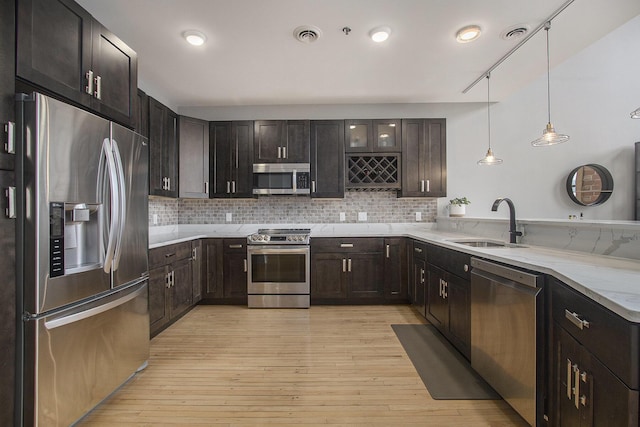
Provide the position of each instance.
(157, 129)
(194, 158)
(366, 278)
(196, 270)
(7, 83)
(8, 305)
(296, 143)
(220, 158)
(235, 275)
(158, 307)
(327, 158)
(395, 269)
(459, 299)
(115, 66)
(424, 158)
(54, 45)
(328, 275)
(386, 136)
(170, 154)
(268, 141)
(420, 277)
(181, 287)
(437, 304)
(241, 155)
(212, 269)
(141, 113)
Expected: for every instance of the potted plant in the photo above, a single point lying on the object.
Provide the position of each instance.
(457, 206)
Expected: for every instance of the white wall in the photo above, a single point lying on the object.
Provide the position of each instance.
(592, 95)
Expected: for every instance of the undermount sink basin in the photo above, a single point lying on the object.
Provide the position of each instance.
(484, 243)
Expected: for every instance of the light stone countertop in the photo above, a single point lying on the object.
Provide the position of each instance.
(611, 282)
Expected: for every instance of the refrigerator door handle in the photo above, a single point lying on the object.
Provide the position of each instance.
(122, 213)
(111, 168)
(85, 314)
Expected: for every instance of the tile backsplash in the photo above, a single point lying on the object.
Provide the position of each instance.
(380, 207)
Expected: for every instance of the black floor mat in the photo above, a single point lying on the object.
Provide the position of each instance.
(444, 371)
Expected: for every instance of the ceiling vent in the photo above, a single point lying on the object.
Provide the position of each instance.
(515, 33)
(307, 33)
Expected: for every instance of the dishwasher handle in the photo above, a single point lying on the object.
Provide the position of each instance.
(519, 276)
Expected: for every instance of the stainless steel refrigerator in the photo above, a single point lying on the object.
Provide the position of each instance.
(82, 259)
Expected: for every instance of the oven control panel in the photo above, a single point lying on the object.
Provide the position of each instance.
(277, 237)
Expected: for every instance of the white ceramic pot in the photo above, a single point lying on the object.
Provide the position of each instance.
(457, 210)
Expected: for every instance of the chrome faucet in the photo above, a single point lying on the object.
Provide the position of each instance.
(513, 233)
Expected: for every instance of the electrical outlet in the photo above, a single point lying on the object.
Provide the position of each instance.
(155, 219)
(418, 216)
(343, 217)
(362, 216)
(228, 217)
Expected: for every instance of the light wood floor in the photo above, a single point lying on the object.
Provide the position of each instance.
(336, 365)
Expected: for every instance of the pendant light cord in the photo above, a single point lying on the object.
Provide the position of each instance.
(546, 27)
(488, 111)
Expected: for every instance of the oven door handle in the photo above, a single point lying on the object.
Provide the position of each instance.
(277, 249)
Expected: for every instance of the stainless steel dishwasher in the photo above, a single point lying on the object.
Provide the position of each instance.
(506, 342)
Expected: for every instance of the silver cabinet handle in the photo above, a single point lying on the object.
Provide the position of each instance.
(235, 246)
(98, 93)
(422, 275)
(576, 320)
(284, 152)
(346, 245)
(440, 288)
(313, 186)
(583, 398)
(445, 290)
(388, 254)
(576, 391)
(344, 265)
(418, 250)
(569, 377)
(11, 202)
(206, 187)
(228, 187)
(245, 265)
(422, 186)
(168, 280)
(89, 87)
(428, 186)
(233, 187)
(349, 265)
(194, 254)
(465, 268)
(168, 183)
(279, 152)
(10, 145)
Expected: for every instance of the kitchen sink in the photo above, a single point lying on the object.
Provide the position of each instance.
(485, 243)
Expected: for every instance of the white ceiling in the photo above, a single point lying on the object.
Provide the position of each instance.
(252, 58)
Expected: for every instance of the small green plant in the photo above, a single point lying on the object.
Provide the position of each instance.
(459, 201)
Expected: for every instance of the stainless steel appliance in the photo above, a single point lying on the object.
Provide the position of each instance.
(278, 268)
(281, 178)
(82, 262)
(506, 342)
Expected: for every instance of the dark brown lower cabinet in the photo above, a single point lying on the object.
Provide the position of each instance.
(170, 284)
(418, 276)
(347, 271)
(588, 393)
(224, 271)
(395, 269)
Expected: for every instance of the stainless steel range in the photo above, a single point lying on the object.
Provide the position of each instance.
(278, 270)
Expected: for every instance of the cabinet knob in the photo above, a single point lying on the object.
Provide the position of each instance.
(466, 268)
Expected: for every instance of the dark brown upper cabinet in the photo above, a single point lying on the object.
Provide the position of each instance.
(327, 158)
(231, 151)
(62, 49)
(372, 136)
(163, 150)
(424, 152)
(281, 141)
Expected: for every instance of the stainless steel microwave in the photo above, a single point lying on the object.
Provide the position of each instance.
(281, 178)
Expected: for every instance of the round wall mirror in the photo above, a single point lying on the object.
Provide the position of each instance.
(590, 185)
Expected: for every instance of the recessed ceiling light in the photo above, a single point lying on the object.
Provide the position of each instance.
(380, 34)
(468, 34)
(195, 38)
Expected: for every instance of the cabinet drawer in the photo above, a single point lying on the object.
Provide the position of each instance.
(360, 244)
(612, 339)
(452, 261)
(419, 250)
(234, 245)
(168, 254)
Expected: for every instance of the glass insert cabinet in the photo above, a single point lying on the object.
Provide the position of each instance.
(372, 136)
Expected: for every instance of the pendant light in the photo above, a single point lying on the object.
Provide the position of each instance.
(635, 114)
(549, 135)
(489, 159)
